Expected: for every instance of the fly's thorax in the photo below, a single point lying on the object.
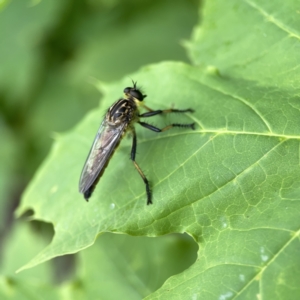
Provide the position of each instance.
(123, 111)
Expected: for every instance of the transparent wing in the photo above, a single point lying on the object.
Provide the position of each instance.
(106, 140)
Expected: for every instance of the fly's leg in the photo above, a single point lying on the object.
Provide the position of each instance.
(153, 128)
(132, 156)
(152, 113)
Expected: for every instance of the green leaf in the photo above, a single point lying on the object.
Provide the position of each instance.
(250, 39)
(8, 150)
(118, 269)
(119, 265)
(232, 184)
(32, 283)
(20, 58)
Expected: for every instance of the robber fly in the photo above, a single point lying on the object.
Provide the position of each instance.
(119, 119)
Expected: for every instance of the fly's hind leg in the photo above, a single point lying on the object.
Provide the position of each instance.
(132, 156)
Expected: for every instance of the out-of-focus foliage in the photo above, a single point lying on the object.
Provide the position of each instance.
(50, 54)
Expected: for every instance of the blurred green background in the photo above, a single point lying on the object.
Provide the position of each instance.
(50, 52)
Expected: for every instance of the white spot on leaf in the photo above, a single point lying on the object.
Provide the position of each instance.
(263, 256)
(242, 277)
(226, 296)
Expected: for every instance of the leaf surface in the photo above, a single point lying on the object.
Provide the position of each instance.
(232, 184)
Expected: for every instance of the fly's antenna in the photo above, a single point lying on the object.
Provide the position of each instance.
(136, 88)
(134, 84)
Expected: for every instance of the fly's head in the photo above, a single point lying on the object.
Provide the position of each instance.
(134, 93)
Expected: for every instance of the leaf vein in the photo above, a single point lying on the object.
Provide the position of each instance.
(272, 19)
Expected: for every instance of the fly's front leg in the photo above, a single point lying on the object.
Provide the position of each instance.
(132, 156)
(152, 113)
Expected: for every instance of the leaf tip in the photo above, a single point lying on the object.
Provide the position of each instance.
(22, 269)
(98, 84)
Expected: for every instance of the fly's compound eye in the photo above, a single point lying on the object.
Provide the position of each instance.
(135, 93)
(127, 90)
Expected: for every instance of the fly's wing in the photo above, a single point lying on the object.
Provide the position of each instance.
(105, 142)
